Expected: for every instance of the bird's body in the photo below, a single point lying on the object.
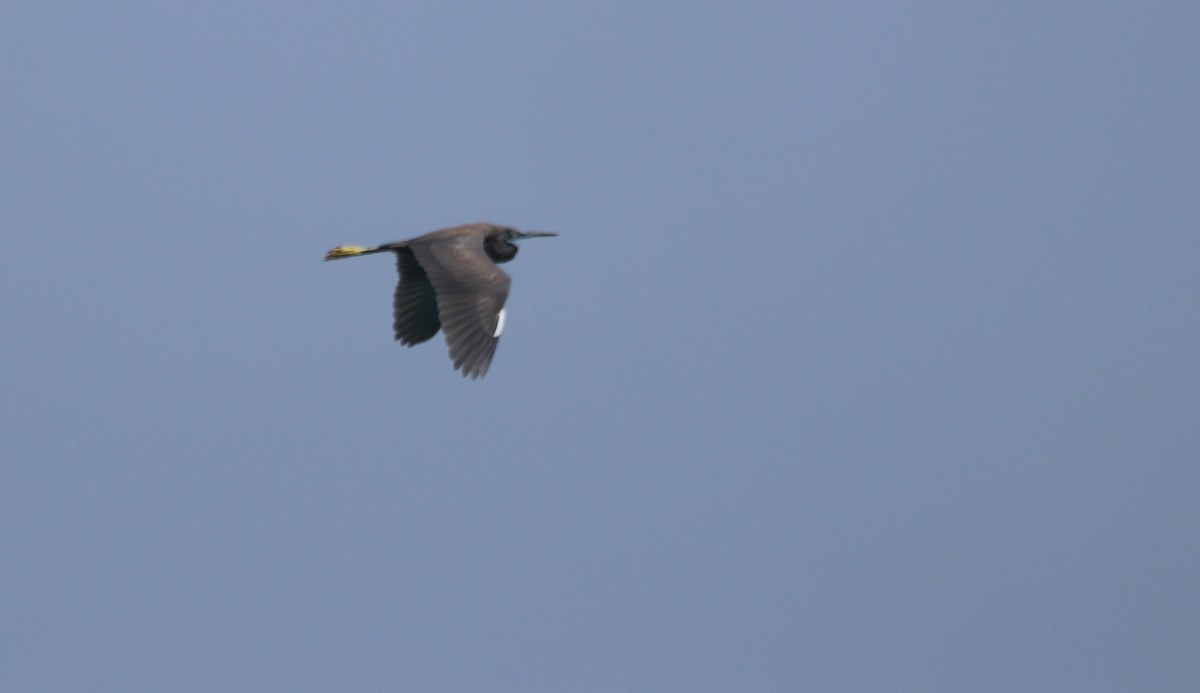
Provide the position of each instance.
(449, 281)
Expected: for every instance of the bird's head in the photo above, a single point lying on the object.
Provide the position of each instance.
(499, 243)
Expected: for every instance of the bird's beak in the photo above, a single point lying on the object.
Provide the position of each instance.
(535, 234)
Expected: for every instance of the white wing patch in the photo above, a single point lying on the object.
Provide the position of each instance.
(499, 324)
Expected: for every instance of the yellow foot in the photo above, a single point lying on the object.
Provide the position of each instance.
(344, 251)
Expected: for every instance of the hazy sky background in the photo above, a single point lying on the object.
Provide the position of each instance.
(866, 359)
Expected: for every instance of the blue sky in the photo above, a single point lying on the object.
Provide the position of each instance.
(865, 358)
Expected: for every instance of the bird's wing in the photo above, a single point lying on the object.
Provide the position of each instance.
(471, 291)
(414, 309)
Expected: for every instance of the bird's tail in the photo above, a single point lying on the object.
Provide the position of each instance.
(344, 251)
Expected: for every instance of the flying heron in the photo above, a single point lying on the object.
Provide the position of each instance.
(449, 281)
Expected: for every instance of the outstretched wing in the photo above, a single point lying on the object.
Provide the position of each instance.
(414, 310)
(471, 291)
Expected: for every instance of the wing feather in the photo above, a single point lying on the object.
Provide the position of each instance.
(414, 310)
(470, 292)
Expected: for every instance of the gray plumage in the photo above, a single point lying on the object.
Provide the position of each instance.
(449, 281)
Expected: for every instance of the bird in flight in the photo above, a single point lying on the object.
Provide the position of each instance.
(449, 281)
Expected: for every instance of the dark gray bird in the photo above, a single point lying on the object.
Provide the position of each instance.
(449, 281)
